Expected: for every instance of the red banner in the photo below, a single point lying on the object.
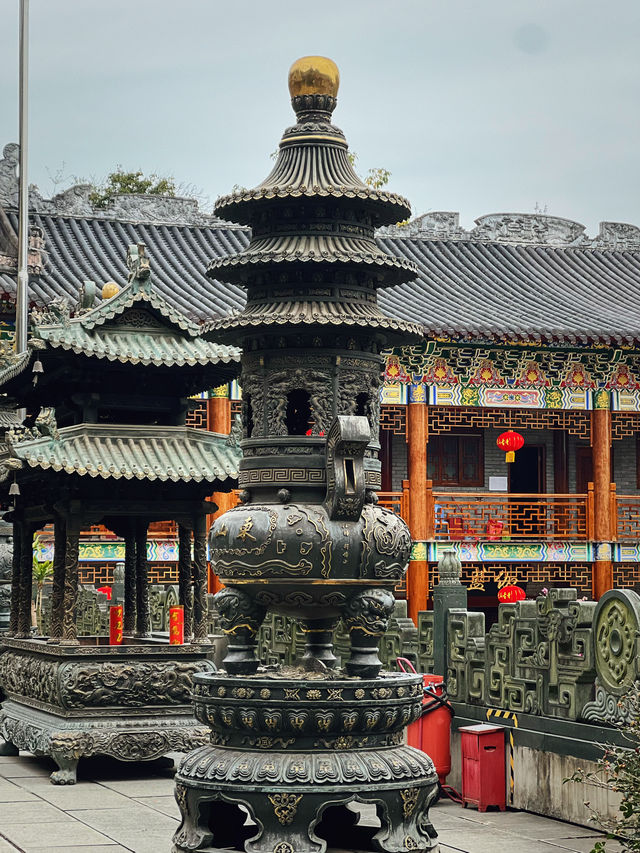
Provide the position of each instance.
(176, 625)
(116, 622)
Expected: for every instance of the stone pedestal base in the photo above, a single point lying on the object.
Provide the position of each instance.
(295, 753)
(131, 702)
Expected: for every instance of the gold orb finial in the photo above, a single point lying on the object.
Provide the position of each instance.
(314, 75)
(109, 289)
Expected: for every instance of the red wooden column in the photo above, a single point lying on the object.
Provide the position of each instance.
(418, 573)
(219, 420)
(601, 450)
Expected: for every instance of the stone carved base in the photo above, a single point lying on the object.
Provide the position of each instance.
(67, 741)
(128, 702)
(297, 753)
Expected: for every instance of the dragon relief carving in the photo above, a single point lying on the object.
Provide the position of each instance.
(130, 684)
(34, 678)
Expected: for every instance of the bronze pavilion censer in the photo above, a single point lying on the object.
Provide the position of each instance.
(295, 746)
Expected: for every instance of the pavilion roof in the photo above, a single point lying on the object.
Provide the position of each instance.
(469, 287)
(137, 326)
(130, 452)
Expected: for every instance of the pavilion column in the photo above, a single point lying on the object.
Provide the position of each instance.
(129, 625)
(185, 590)
(57, 591)
(601, 450)
(142, 582)
(200, 632)
(70, 599)
(418, 573)
(26, 580)
(219, 420)
(15, 580)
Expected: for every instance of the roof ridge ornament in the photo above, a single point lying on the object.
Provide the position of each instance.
(138, 264)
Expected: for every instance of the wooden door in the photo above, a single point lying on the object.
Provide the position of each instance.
(584, 469)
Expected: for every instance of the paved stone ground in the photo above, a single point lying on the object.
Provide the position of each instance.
(130, 807)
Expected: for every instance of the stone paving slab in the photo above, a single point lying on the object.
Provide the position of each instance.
(130, 808)
(165, 805)
(83, 795)
(57, 835)
(12, 793)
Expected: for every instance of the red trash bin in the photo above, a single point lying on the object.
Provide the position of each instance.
(483, 769)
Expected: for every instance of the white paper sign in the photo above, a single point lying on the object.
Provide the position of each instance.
(498, 484)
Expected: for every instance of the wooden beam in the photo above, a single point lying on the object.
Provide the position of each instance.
(418, 573)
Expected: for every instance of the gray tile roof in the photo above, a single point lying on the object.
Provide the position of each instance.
(465, 288)
(162, 453)
(483, 290)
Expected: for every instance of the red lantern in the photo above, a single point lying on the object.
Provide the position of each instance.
(511, 593)
(510, 441)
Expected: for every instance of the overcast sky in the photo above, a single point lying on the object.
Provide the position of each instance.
(478, 107)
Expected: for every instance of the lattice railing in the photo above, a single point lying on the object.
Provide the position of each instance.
(483, 516)
(626, 518)
(397, 502)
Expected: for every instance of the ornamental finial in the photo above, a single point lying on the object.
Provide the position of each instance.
(313, 84)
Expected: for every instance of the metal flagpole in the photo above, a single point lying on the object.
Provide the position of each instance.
(22, 293)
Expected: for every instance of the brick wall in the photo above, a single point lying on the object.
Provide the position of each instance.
(624, 460)
(398, 462)
(494, 464)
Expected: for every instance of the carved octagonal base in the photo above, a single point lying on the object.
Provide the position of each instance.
(295, 753)
(132, 702)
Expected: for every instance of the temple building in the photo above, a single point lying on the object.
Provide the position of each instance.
(530, 326)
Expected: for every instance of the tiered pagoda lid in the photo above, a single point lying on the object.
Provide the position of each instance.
(313, 259)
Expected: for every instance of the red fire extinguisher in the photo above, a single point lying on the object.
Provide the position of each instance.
(432, 731)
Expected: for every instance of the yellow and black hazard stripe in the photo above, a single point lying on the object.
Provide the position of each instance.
(507, 715)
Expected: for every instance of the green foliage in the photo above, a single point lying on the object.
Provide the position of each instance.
(130, 183)
(619, 770)
(375, 178)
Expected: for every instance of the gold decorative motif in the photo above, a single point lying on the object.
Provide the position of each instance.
(222, 691)
(298, 721)
(283, 847)
(409, 800)
(314, 694)
(292, 693)
(243, 692)
(323, 721)
(359, 693)
(335, 694)
(265, 693)
(243, 533)
(266, 742)
(181, 798)
(382, 693)
(410, 843)
(349, 720)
